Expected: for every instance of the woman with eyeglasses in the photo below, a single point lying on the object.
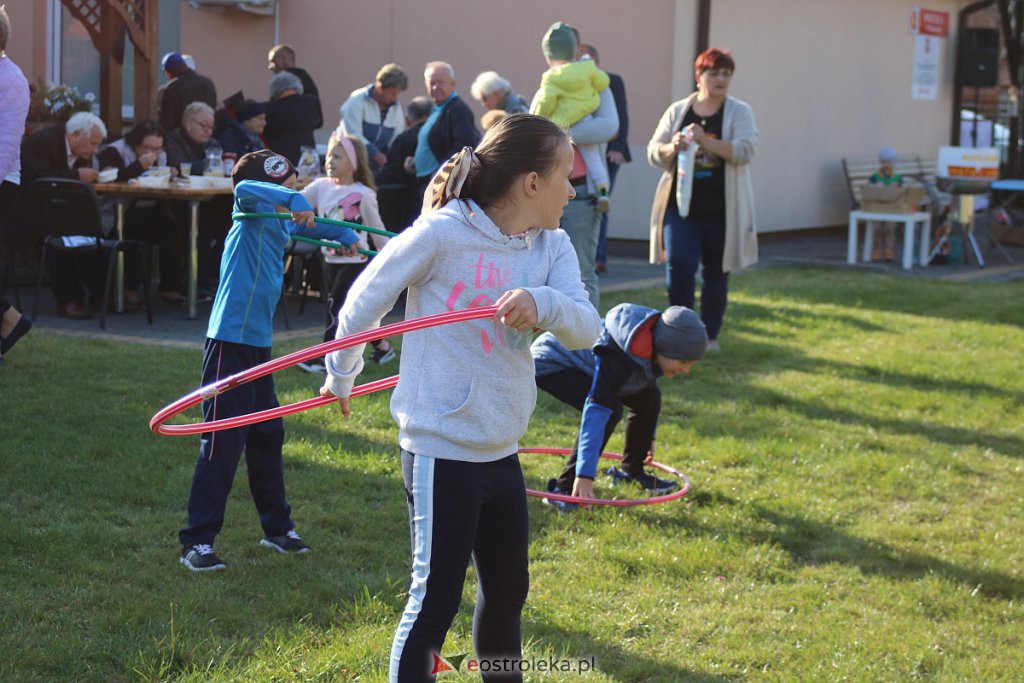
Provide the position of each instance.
(188, 145)
(717, 227)
(141, 149)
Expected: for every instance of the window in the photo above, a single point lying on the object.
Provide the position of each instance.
(74, 60)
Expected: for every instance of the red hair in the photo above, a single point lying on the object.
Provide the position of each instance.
(714, 59)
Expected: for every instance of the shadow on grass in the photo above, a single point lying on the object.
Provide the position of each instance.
(811, 543)
(615, 662)
(945, 300)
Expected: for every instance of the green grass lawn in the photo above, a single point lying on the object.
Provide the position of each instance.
(857, 511)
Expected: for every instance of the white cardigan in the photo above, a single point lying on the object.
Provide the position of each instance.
(740, 227)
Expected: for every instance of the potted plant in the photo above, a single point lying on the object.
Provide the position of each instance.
(53, 104)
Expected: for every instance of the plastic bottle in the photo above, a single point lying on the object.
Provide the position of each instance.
(684, 176)
(214, 160)
(230, 158)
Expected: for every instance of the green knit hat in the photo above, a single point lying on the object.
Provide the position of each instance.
(559, 42)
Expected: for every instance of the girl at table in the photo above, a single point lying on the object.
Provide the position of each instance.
(488, 236)
(141, 149)
(348, 193)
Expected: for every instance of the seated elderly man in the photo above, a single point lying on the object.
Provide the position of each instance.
(374, 115)
(68, 152)
(495, 93)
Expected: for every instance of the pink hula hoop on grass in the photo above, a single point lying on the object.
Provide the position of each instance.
(157, 423)
(624, 502)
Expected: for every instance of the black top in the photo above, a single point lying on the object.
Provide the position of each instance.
(708, 198)
(179, 92)
(309, 88)
(110, 157)
(404, 145)
(620, 143)
(454, 129)
(181, 148)
(290, 125)
(44, 154)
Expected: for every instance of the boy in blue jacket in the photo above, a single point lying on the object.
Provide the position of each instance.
(238, 338)
(637, 346)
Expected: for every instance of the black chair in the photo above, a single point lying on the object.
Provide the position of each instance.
(66, 208)
(297, 257)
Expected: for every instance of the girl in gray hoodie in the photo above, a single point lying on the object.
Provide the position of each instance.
(488, 236)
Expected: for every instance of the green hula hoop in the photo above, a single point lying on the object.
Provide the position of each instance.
(318, 219)
(327, 221)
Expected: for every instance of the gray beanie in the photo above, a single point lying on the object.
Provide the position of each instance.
(680, 334)
(284, 81)
(559, 42)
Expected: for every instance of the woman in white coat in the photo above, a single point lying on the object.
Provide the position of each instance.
(717, 228)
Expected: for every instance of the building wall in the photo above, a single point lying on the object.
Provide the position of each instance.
(826, 79)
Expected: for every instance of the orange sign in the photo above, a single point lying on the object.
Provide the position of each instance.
(928, 22)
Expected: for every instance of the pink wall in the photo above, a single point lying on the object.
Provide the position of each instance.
(27, 45)
(343, 43)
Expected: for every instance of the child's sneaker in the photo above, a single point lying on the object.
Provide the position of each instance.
(200, 558)
(559, 505)
(313, 366)
(604, 201)
(288, 543)
(648, 482)
(382, 355)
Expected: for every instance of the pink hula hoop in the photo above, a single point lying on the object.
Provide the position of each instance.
(614, 502)
(157, 423)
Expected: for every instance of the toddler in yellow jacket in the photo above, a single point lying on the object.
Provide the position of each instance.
(569, 92)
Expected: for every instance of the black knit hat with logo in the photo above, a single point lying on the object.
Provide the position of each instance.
(264, 165)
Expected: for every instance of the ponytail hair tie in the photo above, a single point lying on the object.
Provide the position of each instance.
(447, 183)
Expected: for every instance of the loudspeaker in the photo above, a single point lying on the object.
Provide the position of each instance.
(981, 57)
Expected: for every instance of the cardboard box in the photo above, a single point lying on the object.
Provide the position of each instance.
(891, 199)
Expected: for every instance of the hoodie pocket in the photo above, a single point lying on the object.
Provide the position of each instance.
(485, 419)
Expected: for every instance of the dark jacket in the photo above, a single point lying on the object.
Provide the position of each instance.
(620, 143)
(403, 146)
(309, 88)
(454, 129)
(179, 92)
(238, 139)
(180, 148)
(44, 154)
(120, 156)
(290, 125)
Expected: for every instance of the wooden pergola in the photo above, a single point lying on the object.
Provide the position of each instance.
(108, 22)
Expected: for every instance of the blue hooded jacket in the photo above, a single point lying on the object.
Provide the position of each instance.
(618, 330)
(252, 268)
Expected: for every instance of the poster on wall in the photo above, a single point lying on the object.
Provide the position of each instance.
(925, 79)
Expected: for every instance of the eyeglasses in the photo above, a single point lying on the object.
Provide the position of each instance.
(718, 73)
(204, 126)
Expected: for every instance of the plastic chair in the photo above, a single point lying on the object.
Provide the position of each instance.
(66, 208)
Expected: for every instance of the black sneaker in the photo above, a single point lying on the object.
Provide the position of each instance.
(314, 366)
(648, 482)
(559, 505)
(288, 543)
(380, 356)
(200, 558)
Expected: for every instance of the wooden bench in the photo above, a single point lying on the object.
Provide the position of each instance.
(915, 170)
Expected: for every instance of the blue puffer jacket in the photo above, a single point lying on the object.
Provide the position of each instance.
(619, 327)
